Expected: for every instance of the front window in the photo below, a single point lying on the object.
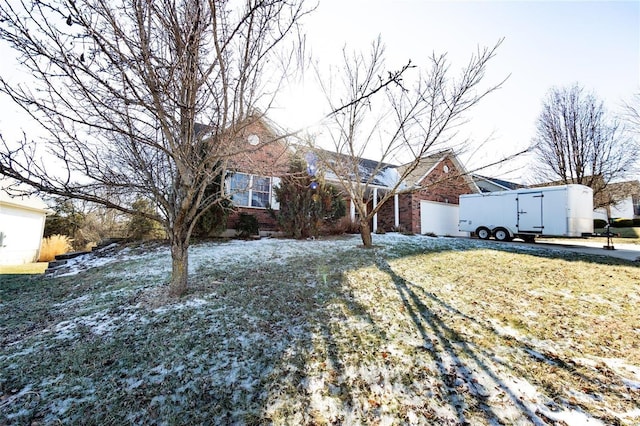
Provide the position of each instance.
(636, 205)
(260, 190)
(250, 190)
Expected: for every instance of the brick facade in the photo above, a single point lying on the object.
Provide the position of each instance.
(266, 222)
(444, 184)
(386, 216)
(439, 185)
(270, 157)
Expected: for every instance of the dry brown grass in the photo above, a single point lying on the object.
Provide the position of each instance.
(53, 246)
(343, 226)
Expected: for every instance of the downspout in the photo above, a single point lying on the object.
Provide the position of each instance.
(45, 213)
(396, 211)
(375, 215)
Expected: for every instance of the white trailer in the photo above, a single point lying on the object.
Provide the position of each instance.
(562, 211)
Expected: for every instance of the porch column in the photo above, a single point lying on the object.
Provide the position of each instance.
(396, 211)
(375, 203)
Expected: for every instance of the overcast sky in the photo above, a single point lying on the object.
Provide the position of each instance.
(546, 44)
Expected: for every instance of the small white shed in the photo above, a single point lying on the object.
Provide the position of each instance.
(21, 227)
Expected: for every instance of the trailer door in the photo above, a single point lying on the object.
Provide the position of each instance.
(530, 212)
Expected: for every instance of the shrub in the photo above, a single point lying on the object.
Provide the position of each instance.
(402, 229)
(213, 221)
(142, 227)
(622, 223)
(99, 224)
(342, 226)
(66, 220)
(84, 224)
(247, 226)
(53, 246)
(599, 223)
(307, 203)
(636, 221)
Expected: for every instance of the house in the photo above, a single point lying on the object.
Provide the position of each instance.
(426, 203)
(21, 226)
(427, 200)
(624, 198)
(612, 200)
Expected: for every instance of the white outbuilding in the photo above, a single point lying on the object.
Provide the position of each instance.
(21, 227)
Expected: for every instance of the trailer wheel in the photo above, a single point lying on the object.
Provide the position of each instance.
(502, 234)
(483, 233)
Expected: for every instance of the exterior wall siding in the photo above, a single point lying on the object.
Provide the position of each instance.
(21, 230)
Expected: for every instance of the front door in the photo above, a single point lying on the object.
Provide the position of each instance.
(530, 212)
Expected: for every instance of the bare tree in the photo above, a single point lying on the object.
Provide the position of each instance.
(142, 99)
(631, 113)
(400, 121)
(577, 143)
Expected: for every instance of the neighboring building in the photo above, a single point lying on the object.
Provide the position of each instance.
(625, 201)
(21, 227)
(489, 184)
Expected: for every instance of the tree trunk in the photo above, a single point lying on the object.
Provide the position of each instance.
(365, 234)
(179, 265)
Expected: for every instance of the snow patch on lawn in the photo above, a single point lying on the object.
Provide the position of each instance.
(398, 375)
(629, 374)
(99, 323)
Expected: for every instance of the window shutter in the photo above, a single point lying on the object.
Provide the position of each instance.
(275, 205)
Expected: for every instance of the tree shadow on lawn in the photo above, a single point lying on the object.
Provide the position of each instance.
(435, 332)
(352, 368)
(222, 355)
(473, 384)
(468, 361)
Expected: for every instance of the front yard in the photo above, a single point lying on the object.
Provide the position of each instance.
(417, 331)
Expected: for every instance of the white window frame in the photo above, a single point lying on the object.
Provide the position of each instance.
(249, 190)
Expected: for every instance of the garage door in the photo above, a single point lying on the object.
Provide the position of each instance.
(439, 219)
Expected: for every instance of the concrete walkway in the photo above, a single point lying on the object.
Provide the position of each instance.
(595, 246)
